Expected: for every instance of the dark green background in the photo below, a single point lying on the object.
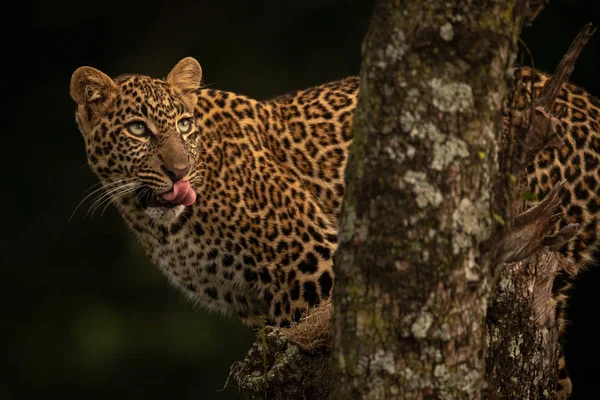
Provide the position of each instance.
(84, 314)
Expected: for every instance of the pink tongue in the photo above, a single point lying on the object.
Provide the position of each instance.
(182, 193)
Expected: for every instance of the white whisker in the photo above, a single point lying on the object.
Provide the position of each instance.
(117, 196)
(109, 195)
(108, 186)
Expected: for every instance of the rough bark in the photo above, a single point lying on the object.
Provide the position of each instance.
(522, 351)
(411, 281)
(276, 369)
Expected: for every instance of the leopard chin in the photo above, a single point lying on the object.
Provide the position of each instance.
(164, 214)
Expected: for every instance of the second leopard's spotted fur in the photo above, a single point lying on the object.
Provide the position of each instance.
(257, 235)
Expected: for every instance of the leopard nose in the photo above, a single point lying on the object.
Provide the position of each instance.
(175, 174)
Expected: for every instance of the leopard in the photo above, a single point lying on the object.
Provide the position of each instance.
(237, 201)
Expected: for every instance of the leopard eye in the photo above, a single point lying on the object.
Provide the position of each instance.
(137, 128)
(185, 125)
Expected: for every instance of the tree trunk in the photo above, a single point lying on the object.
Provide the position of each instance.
(412, 281)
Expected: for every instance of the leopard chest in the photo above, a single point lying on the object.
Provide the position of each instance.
(207, 269)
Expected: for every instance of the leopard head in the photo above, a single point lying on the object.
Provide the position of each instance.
(141, 136)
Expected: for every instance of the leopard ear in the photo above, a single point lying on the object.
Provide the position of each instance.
(90, 86)
(186, 75)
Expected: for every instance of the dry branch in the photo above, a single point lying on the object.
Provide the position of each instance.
(534, 7)
(541, 125)
(530, 231)
(564, 69)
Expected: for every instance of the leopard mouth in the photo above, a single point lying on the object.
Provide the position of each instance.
(147, 198)
(181, 194)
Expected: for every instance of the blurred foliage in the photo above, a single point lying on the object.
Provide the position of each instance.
(85, 314)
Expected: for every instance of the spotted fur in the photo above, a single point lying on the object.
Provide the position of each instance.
(269, 179)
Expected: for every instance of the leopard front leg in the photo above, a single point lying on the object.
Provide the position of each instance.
(302, 275)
